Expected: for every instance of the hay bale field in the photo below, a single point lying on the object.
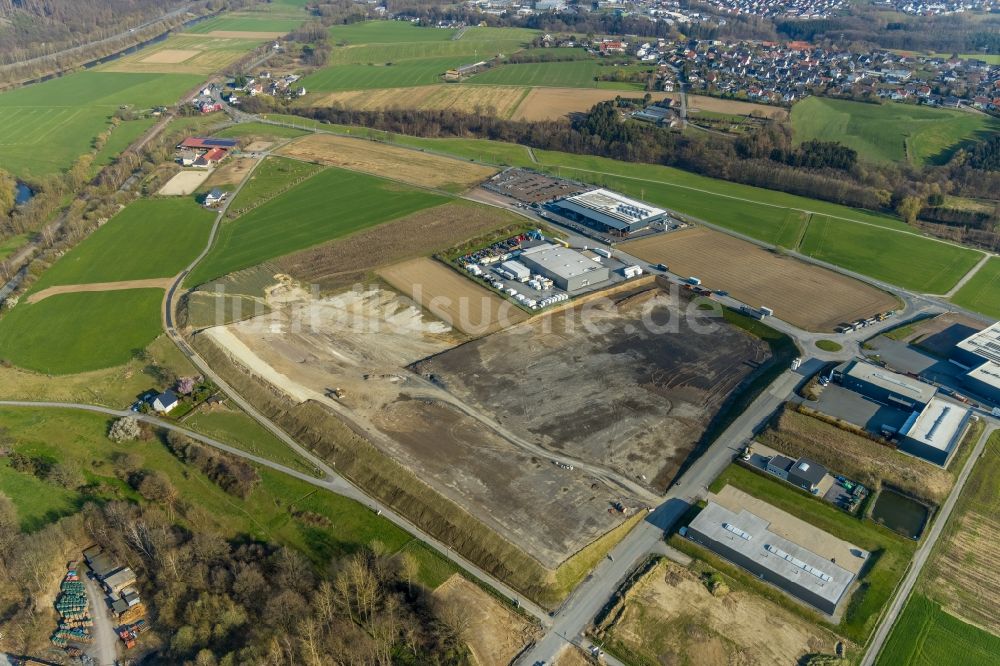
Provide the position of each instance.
(452, 297)
(670, 617)
(555, 103)
(806, 296)
(502, 101)
(406, 165)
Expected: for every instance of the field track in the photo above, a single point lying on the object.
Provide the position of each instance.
(162, 283)
(804, 295)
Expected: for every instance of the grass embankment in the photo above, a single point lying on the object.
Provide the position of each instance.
(926, 634)
(891, 553)
(74, 333)
(982, 292)
(889, 132)
(150, 238)
(46, 126)
(273, 512)
(829, 345)
(856, 457)
(121, 138)
(329, 205)
(239, 430)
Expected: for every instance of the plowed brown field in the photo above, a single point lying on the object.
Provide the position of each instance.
(806, 296)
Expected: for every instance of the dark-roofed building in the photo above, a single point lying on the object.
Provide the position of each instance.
(207, 142)
(806, 474)
(779, 466)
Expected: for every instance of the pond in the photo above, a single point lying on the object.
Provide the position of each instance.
(900, 513)
(22, 194)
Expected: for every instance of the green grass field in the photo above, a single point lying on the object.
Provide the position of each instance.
(572, 74)
(982, 292)
(12, 244)
(926, 634)
(364, 54)
(45, 127)
(78, 438)
(121, 138)
(238, 429)
(406, 74)
(387, 32)
(259, 129)
(71, 333)
(272, 177)
(329, 205)
(889, 132)
(892, 551)
(245, 24)
(150, 238)
(906, 260)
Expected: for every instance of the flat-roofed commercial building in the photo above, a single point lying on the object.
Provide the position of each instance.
(981, 353)
(568, 269)
(884, 385)
(761, 545)
(610, 212)
(934, 432)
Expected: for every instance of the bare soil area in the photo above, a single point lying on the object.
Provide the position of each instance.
(403, 164)
(360, 342)
(170, 56)
(232, 172)
(163, 283)
(258, 146)
(631, 386)
(806, 296)
(496, 633)
(343, 262)
(452, 297)
(500, 101)
(555, 103)
(184, 183)
(670, 617)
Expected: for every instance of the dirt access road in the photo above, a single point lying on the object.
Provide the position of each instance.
(104, 650)
(162, 283)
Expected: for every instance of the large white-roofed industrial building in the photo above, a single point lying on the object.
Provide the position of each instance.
(980, 352)
(568, 269)
(610, 212)
(802, 560)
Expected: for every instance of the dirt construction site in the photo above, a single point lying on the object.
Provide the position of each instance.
(630, 385)
(670, 614)
(350, 352)
(807, 296)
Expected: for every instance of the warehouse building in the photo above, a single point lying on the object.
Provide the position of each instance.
(609, 212)
(980, 352)
(884, 386)
(568, 269)
(934, 432)
(760, 544)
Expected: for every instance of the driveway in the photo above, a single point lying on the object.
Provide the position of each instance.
(104, 649)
